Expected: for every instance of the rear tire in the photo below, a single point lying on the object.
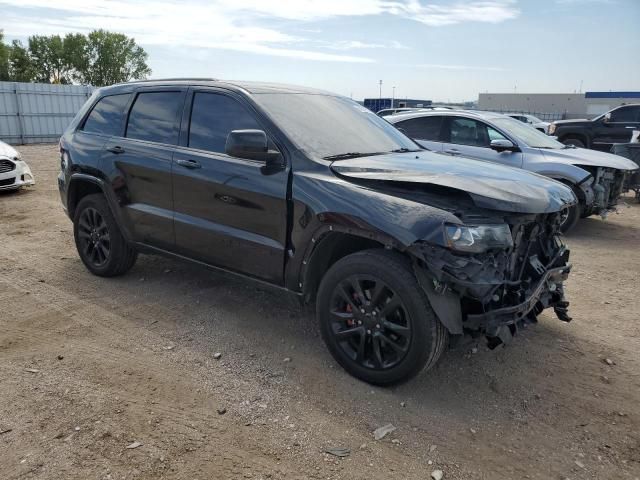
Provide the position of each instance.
(376, 320)
(574, 141)
(100, 244)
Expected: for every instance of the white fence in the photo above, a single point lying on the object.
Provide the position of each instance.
(38, 112)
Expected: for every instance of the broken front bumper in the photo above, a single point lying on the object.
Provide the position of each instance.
(541, 297)
(14, 174)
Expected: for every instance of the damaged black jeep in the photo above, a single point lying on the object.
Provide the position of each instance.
(399, 247)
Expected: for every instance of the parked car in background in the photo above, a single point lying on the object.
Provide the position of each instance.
(600, 133)
(535, 122)
(14, 172)
(596, 178)
(314, 194)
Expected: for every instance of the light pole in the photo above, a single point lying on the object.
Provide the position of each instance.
(393, 96)
(380, 97)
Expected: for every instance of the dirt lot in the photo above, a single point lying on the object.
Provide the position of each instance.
(90, 365)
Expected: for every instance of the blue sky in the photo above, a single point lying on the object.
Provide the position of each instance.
(440, 50)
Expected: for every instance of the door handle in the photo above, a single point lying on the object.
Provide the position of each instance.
(117, 149)
(188, 163)
(452, 151)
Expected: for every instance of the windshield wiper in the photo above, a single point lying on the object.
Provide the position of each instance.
(345, 156)
(405, 149)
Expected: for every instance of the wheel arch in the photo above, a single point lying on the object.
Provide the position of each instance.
(578, 136)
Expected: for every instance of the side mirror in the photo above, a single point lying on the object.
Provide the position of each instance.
(252, 145)
(607, 117)
(501, 145)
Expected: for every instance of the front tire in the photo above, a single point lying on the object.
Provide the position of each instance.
(100, 244)
(570, 218)
(376, 320)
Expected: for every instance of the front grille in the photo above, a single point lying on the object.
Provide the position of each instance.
(6, 166)
(7, 181)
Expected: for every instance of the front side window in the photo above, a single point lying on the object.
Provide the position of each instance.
(466, 131)
(422, 128)
(626, 114)
(154, 117)
(106, 116)
(213, 117)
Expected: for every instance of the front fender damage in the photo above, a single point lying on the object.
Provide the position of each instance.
(496, 292)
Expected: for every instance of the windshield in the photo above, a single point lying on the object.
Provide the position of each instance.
(326, 126)
(525, 133)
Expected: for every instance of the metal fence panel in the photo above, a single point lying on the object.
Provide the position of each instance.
(38, 112)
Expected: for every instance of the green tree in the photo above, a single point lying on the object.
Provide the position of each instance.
(4, 59)
(56, 59)
(20, 65)
(113, 58)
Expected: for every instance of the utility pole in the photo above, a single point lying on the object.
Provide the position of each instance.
(393, 96)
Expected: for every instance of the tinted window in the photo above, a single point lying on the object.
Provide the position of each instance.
(154, 117)
(626, 114)
(106, 116)
(422, 128)
(213, 116)
(465, 131)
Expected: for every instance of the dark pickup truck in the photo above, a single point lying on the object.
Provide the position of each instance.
(309, 192)
(600, 133)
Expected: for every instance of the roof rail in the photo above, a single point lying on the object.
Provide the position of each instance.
(193, 79)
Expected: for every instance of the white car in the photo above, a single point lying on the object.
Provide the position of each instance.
(535, 122)
(14, 172)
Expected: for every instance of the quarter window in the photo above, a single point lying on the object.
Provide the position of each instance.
(106, 116)
(213, 117)
(154, 117)
(422, 128)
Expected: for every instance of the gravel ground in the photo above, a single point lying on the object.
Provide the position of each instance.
(91, 366)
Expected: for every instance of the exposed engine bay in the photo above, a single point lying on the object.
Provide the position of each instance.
(494, 292)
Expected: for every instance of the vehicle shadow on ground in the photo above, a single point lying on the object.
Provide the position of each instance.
(212, 309)
(594, 229)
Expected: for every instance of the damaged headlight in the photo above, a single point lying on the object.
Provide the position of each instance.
(478, 239)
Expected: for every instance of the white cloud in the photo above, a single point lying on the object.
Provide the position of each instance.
(239, 25)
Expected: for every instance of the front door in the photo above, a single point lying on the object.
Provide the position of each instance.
(618, 129)
(472, 138)
(229, 212)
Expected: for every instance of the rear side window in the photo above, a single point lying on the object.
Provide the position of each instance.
(422, 128)
(154, 117)
(106, 115)
(213, 116)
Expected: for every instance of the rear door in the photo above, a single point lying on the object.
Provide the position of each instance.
(471, 138)
(139, 164)
(424, 130)
(229, 212)
(103, 121)
(619, 128)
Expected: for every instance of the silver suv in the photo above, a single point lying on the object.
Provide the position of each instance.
(596, 178)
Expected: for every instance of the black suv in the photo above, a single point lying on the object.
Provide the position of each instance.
(312, 193)
(600, 133)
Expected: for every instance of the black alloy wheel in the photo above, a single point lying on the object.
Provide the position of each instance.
(94, 238)
(99, 241)
(376, 319)
(370, 322)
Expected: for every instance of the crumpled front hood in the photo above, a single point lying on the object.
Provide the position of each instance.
(7, 151)
(490, 185)
(590, 158)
